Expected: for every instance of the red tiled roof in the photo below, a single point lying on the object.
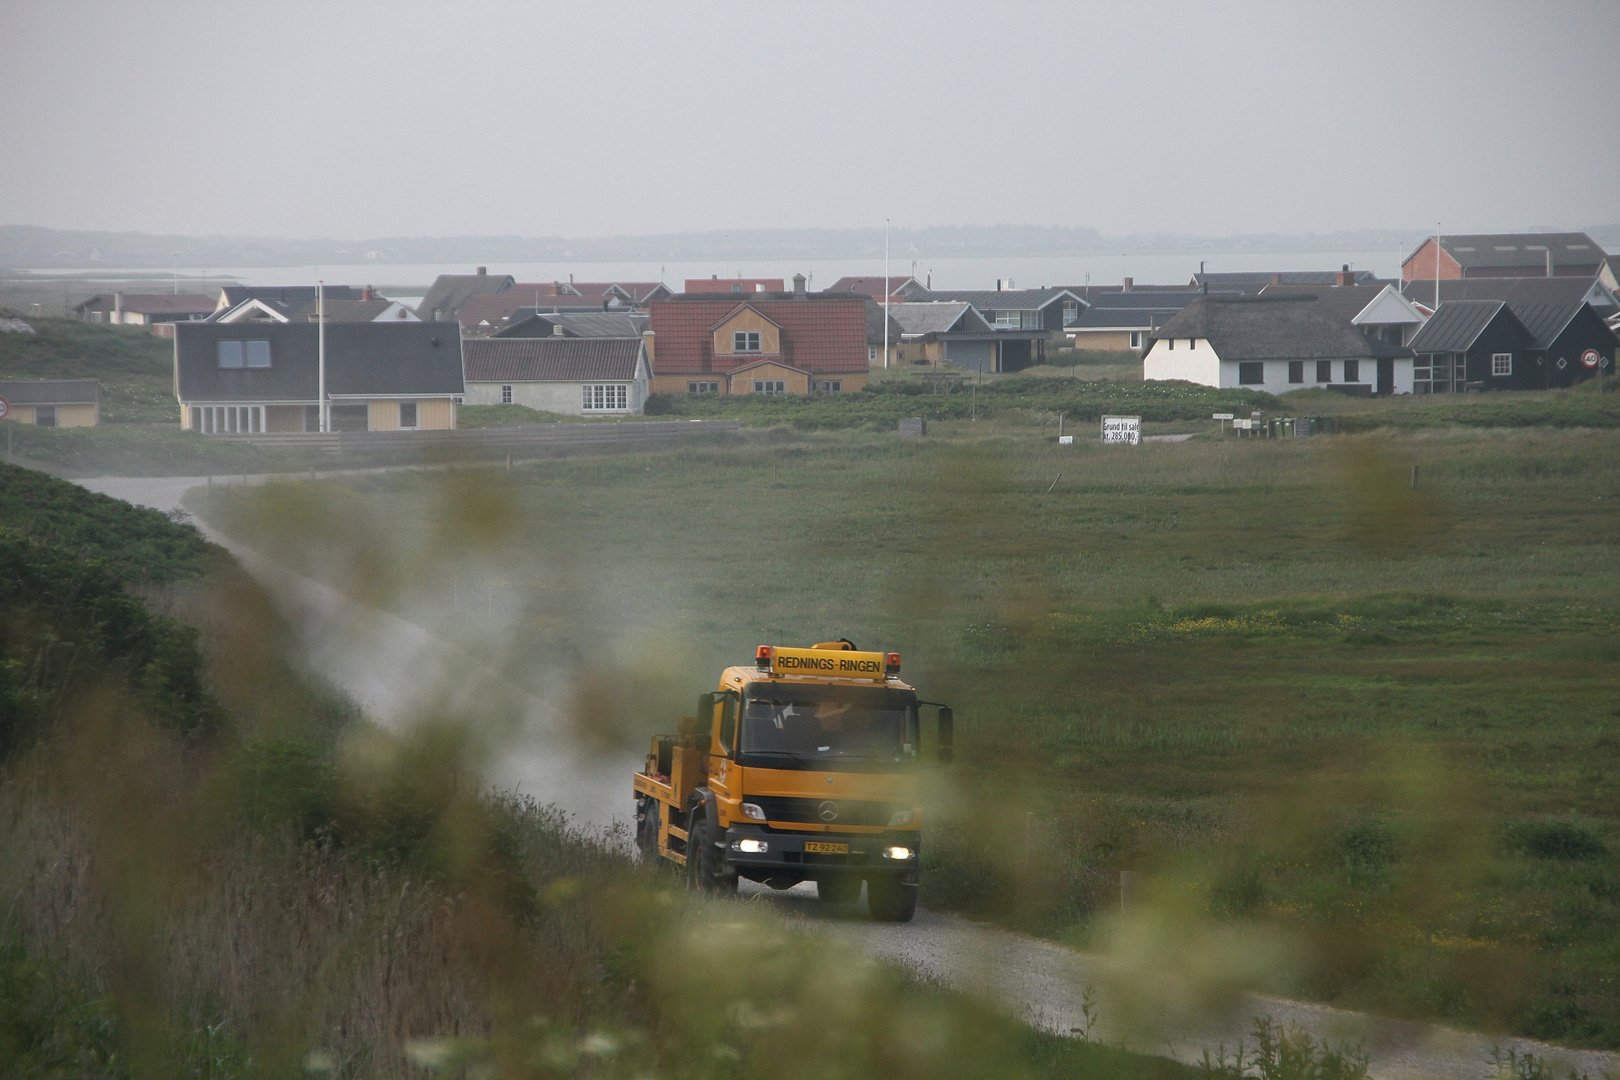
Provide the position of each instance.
(552, 359)
(818, 335)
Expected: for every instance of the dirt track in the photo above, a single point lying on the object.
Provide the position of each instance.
(392, 667)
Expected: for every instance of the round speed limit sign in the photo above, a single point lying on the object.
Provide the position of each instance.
(5, 408)
(1590, 358)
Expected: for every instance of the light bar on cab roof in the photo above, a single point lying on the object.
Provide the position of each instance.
(762, 658)
(892, 664)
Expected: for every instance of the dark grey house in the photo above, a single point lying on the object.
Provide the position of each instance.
(248, 378)
(605, 324)
(447, 294)
(1024, 319)
(1471, 344)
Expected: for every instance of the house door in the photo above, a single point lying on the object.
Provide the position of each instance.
(1386, 377)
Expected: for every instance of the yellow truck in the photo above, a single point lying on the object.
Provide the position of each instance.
(802, 767)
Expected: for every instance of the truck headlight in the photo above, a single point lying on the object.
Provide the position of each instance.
(750, 847)
(897, 852)
(901, 818)
(752, 811)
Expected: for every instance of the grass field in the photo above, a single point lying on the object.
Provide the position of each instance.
(1374, 728)
(215, 869)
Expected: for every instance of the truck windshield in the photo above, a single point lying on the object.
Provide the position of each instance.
(837, 728)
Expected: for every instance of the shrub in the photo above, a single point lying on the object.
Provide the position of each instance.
(1556, 839)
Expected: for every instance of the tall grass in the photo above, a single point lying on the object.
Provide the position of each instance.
(1223, 665)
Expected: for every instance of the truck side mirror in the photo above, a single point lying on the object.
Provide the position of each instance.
(947, 733)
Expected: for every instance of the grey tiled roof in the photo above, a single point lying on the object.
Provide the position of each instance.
(50, 391)
(550, 359)
(388, 359)
(1259, 328)
(1456, 325)
(936, 316)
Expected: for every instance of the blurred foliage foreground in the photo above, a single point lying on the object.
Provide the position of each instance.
(1359, 741)
(213, 869)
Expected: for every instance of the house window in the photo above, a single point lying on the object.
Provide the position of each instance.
(702, 388)
(770, 386)
(506, 395)
(1252, 373)
(1296, 371)
(603, 397)
(1502, 363)
(1352, 371)
(1170, 342)
(1136, 339)
(1071, 312)
(1324, 371)
(828, 386)
(736, 288)
(45, 415)
(745, 341)
(407, 414)
(230, 419)
(243, 354)
(1005, 318)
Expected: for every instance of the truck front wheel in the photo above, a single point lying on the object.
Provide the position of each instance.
(705, 869)
(890, 899)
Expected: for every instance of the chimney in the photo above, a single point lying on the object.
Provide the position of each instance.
(118, 307)
(556, 330)
(798, 286)
(1130, 283)
(482, 271)
(1345, 277)
(1276, 279)
(368, 293)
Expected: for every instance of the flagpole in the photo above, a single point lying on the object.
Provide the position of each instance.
(885, 293)
(320, 321)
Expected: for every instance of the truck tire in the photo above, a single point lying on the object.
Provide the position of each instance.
(889, 899)
(647, 826)
(839, 889)
(705, 869)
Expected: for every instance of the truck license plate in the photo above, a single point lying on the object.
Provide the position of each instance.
(824, 848)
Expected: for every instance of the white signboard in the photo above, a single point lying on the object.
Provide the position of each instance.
(1221, 416)
(1065, 440)
(1122, 430)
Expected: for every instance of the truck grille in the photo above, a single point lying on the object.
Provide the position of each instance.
(815, 811)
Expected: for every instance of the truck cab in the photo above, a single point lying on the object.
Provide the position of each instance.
(801, 767)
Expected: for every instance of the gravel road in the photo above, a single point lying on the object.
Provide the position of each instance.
(397, 670)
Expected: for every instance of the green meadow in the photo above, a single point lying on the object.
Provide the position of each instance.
(1372, 723)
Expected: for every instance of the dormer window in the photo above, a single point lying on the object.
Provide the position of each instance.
(745, 341)
(243, 354)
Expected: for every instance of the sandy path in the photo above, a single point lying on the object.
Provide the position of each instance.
(394, 668)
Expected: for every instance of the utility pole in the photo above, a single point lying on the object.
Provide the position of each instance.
(320, 336)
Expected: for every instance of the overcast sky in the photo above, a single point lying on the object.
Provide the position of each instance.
(364, 120)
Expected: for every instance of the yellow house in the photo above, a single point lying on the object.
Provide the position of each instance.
(252, 378)
(53, 402)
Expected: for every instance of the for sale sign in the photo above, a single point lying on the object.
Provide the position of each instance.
(1121, 430)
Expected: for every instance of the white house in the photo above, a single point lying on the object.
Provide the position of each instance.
(574, 376)
(369, 308)
(1275, 344)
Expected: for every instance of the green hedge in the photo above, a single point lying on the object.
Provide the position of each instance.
(138, 543)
